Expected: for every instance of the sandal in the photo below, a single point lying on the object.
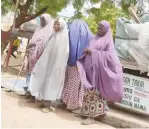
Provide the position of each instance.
(47, 109)
(88, 121)
(52, 108)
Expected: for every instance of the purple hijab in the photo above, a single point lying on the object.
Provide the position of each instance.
(79, 37)
(102, 69)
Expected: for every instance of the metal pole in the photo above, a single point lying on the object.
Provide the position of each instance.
(20, 70)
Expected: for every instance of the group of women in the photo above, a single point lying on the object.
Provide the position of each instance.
(74, 66)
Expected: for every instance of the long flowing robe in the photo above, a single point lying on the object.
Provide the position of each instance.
(79, 37)
(102, 69)
(47, 78)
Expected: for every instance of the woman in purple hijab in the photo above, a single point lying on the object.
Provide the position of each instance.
(101, 74)
(73, 92)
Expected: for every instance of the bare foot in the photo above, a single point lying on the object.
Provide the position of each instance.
(88, 121)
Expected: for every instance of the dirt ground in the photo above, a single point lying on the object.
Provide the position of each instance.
(17, 113)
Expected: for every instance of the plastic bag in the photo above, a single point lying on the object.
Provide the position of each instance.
(140, 51)
(143, 40)
(122, 47)
(123, 25)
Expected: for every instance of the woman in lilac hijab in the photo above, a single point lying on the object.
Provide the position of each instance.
(101, 74)
(73, 92)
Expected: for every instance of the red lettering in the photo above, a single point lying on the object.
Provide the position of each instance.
(140, 94)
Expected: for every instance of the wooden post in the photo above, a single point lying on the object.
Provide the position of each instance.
(5, 65)
(11, 42)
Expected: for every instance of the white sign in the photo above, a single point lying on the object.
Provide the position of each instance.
(136, 93)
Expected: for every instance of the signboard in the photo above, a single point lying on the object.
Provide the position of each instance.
(136, 93)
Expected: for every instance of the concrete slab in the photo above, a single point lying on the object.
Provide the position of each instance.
(120, 118)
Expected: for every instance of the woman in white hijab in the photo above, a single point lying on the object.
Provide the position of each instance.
(47, 79)
(36, 46)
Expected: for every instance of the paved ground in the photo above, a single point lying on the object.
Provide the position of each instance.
(16, 112)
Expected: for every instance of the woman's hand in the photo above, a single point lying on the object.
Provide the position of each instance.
(87, 51)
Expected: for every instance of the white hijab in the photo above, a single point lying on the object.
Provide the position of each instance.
(47, 78)
(45, 32)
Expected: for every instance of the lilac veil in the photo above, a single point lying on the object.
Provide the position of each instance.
(102, 69)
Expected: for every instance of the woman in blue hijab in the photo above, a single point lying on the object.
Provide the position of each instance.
(73, 92)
